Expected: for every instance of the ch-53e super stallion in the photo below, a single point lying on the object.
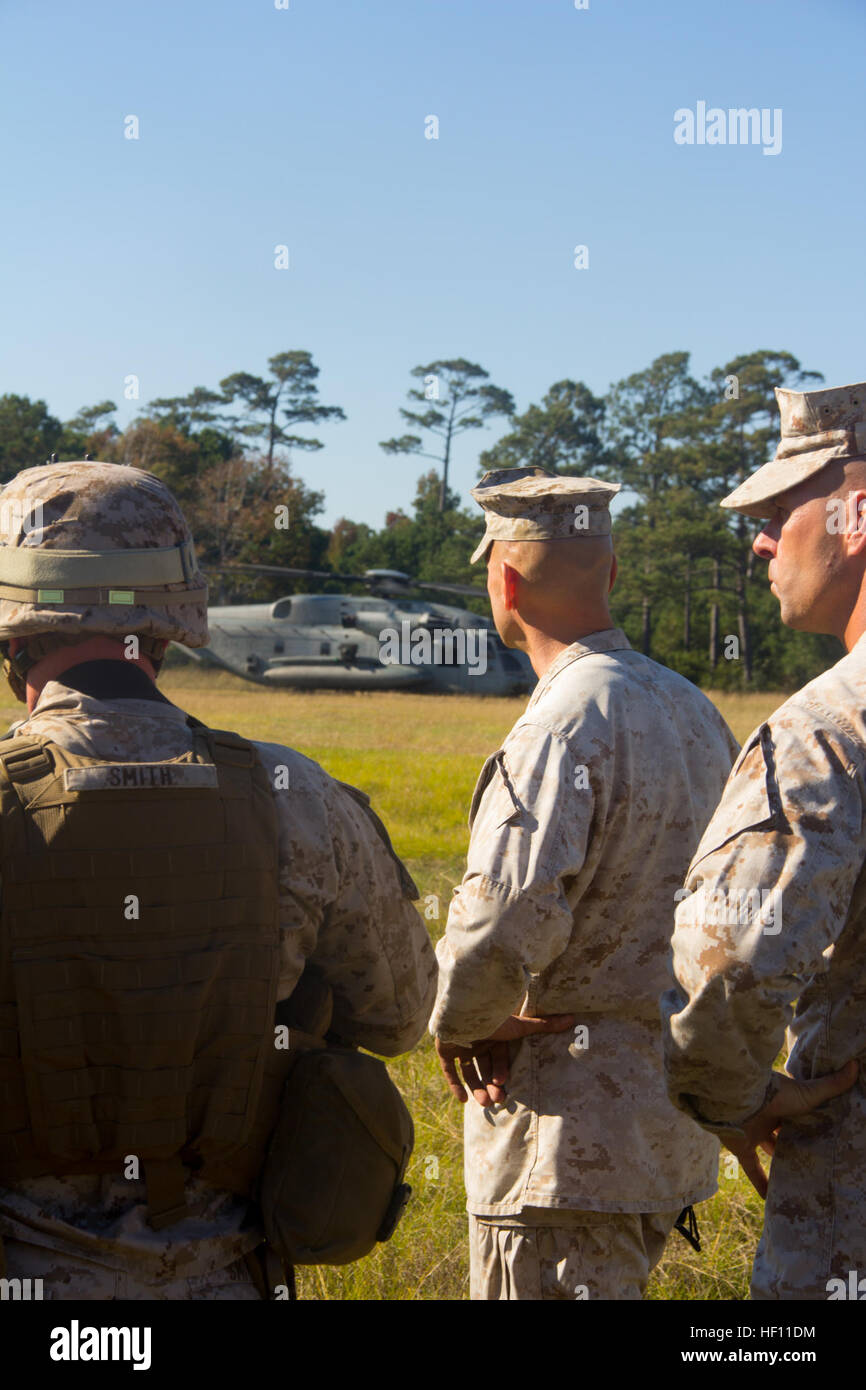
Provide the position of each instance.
(386, 640)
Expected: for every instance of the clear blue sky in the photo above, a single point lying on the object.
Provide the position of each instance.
(305, 126)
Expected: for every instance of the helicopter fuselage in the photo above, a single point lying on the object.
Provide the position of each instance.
(343, 641)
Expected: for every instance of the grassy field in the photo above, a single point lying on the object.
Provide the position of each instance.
(418, 757)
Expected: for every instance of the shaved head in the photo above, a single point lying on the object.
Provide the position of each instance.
(550, 591)
(853, 475)
(562, 567)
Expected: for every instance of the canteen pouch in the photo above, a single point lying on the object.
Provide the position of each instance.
(332, 1185)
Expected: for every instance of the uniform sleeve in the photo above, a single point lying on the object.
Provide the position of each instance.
(510, 918)
(346, 905)
(373, 944)
(771, 886)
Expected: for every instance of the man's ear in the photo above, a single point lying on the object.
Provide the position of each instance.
(510, 578)
(855, 530)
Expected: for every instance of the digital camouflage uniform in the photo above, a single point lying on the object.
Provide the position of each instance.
(582, 826)
(774, 935)
(566, 1255)
(345, 905)
(792, 825)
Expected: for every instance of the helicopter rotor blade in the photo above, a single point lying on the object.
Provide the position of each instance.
(471, 590)
(285, 570)
(371, 581)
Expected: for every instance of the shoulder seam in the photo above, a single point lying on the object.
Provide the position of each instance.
(835, 718)
(536, 724)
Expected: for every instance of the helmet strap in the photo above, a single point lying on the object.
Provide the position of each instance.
(15, 669)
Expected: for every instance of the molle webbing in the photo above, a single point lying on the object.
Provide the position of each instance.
(139, 960)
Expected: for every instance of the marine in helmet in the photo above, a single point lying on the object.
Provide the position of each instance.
(165, 886)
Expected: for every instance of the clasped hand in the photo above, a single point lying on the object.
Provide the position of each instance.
(790, 1099)
(485, 1065)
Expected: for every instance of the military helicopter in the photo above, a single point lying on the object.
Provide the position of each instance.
(385, 640)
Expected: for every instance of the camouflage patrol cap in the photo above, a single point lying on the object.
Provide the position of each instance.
(531, 504)
(97, 548)
(817, 427)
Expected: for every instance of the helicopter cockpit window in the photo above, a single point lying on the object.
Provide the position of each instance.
(317, 610)
(282, 608)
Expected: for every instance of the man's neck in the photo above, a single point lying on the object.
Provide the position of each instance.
(543, 649)
(104, 680)
(855, 626)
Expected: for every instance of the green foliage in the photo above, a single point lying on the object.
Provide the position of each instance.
(291, 392)
(90, 432)
(562, 434)
(28, 434)
(432, 545)
(690, 592)
(199, 407)
(250, 406)
(455, 403)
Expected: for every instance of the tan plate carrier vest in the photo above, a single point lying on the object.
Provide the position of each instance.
(139, 962)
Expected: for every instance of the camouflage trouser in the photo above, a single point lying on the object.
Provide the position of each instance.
(813, 1244)
(565, 1254)
(70, 1277)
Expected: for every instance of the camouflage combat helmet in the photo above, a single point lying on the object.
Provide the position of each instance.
(91, 549)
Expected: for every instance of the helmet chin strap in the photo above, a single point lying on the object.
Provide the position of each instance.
(17, 679)
(16, 667)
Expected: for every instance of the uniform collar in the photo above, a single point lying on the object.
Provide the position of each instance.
(56, 696)
(113, 680)
(610, 639)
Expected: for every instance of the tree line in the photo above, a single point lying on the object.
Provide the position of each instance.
(690, 591)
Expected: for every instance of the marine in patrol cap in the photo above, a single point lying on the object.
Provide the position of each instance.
(531, 504)
(817, 427)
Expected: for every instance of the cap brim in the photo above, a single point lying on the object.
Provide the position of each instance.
(757, 495)
(481, 550)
